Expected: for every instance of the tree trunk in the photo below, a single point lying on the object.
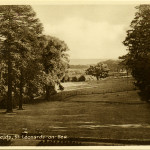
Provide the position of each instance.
(30, 94)
(47, 95)
(97, 77)
(9, 98)
(21, 90)
(127, 72)
(16, 96)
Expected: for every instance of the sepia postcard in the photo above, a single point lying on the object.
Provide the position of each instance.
(74, 74)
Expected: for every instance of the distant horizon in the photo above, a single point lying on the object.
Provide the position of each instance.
(96, 58)
(86, 61)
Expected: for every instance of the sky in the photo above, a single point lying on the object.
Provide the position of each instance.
(90, 31)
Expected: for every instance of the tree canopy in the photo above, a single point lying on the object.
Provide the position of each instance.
(99, 71)
(137, 42)
(29, 60)
(55, 62)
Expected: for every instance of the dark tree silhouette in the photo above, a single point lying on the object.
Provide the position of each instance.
(138, 46)
(18, 35)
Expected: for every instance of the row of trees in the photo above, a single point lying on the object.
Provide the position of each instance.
(31, 62)
(137, 42)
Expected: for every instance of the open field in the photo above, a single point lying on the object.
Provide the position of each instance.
(115, 114)
(101, 86)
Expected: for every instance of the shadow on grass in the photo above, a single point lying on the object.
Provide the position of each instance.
(3, 112)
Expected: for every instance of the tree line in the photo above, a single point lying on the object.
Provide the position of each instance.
(31, 63)
(137, 42)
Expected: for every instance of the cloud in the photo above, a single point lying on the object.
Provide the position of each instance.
(87, 39)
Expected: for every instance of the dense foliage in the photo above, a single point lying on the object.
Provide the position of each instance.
(113, 65)
(29, 61)
(99, 71)
(138, 46)
(55, 62)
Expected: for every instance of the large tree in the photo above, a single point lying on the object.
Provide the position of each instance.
(55, 62)
(20, 30)
(99, 71)
(138, 46)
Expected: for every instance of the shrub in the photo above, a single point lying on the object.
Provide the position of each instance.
(82, 78)
(74, 79)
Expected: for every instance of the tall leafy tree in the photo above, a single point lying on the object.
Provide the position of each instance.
(55, 61)
(19, 34)
(137, 42)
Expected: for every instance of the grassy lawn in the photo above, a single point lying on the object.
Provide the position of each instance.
(101, 86)
(120, 114)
